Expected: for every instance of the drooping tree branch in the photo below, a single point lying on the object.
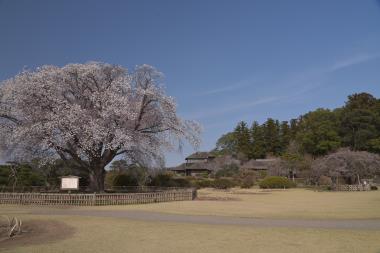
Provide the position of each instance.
(10, 118)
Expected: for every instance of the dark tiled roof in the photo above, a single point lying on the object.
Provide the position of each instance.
(200, 155)
(260, 164)
(179, 167)
(193, 166)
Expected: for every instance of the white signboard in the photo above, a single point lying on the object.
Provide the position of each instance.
(70, 183)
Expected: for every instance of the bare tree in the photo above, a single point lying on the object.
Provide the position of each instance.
(278, 168)
(13, 174)
(222, 161)
(90, 113)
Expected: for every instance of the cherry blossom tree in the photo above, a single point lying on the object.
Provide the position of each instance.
(90, 113)
(351, 165)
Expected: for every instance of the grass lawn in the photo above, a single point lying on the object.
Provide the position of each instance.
(293, 203)
(121, 235)
(101, 234)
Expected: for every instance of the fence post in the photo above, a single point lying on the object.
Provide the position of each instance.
(94, 199)
(194, 193)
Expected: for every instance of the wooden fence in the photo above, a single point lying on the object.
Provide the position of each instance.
(96, 199)
(354, 187)
(86, 189)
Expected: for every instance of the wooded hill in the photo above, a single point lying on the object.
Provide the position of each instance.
(355, 125)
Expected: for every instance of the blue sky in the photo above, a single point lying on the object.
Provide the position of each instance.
(224, 61)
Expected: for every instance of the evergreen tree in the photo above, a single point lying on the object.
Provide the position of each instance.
(285, 135)
(226, 144)
(272, 136)
(242, 137)
(318, 132)
(258, 141)
(119, 166)
(293, 128)
(355, 125)
(360, 122)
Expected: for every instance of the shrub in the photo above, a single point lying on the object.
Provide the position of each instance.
(247, 178)
(203, 183)
(373, 188)
(223, 183)
(162, 180)
(110, 177)
(4, 174)
(204, 175)
(227, 171)
(124, 180)
(181, 182)
(26, 176)
(132, 175)
(167, 180)
(262, 174)
(276, 182)
(139, 173)
(323, 180)
(248, 181)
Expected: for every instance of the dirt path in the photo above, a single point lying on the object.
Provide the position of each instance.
(219, 220)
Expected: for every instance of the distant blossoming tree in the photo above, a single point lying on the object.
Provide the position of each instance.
(351, 165)
(90, 113)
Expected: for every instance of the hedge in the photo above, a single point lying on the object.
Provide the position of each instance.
(275, 182)
(223, 183)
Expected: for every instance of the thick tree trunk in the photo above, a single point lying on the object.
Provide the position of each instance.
(97, 176)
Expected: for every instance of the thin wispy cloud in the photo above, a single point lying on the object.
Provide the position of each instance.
(354, 60)
(231, 108)
(290, 95)
(321, 73)
(318, 76)
(293, 87)
(232, 87)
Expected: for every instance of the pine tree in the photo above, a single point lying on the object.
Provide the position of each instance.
(285, 135)
(355, 125)
(258, 141)
(360, 122)
(293, 128)
(242, 137)
(272, 136)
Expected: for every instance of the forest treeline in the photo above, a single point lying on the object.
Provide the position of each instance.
(356, 125)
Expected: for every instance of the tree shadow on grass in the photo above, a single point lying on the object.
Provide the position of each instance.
(36, 232)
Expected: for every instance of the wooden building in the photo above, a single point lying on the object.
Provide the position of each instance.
(259, 164)
(196, 164)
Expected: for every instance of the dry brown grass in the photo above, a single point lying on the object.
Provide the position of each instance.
(293, 203)
(99, 234)
(114, 235)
